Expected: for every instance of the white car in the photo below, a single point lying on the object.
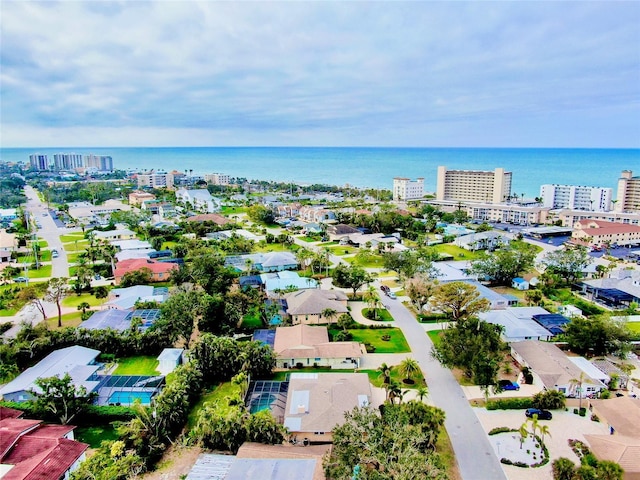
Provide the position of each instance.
(391, 295)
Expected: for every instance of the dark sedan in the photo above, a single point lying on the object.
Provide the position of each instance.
(542, 414)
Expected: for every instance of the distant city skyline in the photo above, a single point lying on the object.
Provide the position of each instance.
(404, 74)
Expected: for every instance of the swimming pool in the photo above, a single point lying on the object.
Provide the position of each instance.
(129, 398)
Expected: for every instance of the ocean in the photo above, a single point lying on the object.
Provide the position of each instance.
(370, 167)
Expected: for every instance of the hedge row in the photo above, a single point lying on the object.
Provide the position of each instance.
(510, 404)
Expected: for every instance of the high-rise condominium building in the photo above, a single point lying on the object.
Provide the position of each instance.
(39, 162)
(99, 162)
(407, 189)
(67, 161)
(473, 185)
(596, 199)
(217, 179)
(628, 199)
(155, 180)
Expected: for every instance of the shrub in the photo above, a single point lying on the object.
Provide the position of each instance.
(495, 431)
(5, 326)
(575, 411)
(510, 404)
(342, 336)
(605, 394)
(583, 411)
(549, 400)
(506, 461)
(594, 418)
(520, 464)
(528, 376)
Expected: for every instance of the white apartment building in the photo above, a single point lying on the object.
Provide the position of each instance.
(103, 163)
(628, 199)
(473, 185)
(570, 217)
(217, 179)
(155, 180)
(597, 199)
(407, 189)
(67, 161)
(39, 162)
(200, 199)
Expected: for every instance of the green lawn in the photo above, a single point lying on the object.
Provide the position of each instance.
(304, 238)
(272, 247)
(252, 320)
(378, 381)
(72, 319)
(140, 365)
(374, 262)
(435, 337)
(72, 237)
(43, 256)
(233, 210)
(383, 314)
(219, 394)
(456, 252)
(73, 257)
(79, 246)
(396, 344)
(634, 326)
(43, 243)
(75, 300)
(94, 436)
(43, 272)
(340, 250)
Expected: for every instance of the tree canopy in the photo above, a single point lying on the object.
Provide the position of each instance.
(598, 335)
(459, 300)
(350, 276)
(397, 444)
(505, 264)
(568, 263)
(59, 398)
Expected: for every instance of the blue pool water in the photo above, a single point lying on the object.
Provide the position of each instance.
(129, 398)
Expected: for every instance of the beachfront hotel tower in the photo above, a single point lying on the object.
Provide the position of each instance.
(473, 185)
(67, 161)
(628, 199)
(407, 189)
(595, 199)
(39, 162)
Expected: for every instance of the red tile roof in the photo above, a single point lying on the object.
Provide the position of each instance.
(209, 217)
(6, 412)
(133, 264)
(37, 452)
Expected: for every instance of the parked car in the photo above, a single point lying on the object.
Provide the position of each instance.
(384, 288)
(54, 253)
(391, 295)
(542, 414)
(21, 279)
(508, 385)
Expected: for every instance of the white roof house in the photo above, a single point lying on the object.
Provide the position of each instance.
(517, 323)
(77, 361)
(126, 298)
(590, 369)
(133, 244)
(120, 234)
(481, 240)
(200, 198)
(283, 280)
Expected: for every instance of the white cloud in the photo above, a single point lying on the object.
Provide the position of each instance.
(313, 72)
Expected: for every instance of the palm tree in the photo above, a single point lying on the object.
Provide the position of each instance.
(524, 433)
(393, 391)
(534, 425)
(84, 306)
(373, 300)
(422, 393)
(384, 370)
(328, 313)
(544, 430)
(408, 368)
(577, 382)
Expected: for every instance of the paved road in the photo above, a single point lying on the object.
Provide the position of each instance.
(49, 232)
(475, 455)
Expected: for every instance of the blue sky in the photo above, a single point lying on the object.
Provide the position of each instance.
(460, 74)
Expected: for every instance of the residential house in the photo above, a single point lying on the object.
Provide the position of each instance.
(622, 445)
(304, 346)
(316, 214)
(306, 306)
(263, 262)
(569, 311)
(138, 198)
(200, 199)
(31, 450)
(5, 256)
(121, 320)
(340, 232)
(288, 210)
(126, 298)
(79, 362)
(210, 217)
(133, 244)
(489, 240)
(553, 370)
(111, 235)
(256, 461)
(517, 323)
(317, 402)
(519, 283)
(618, 291)
(276, 282)
(160, 271)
